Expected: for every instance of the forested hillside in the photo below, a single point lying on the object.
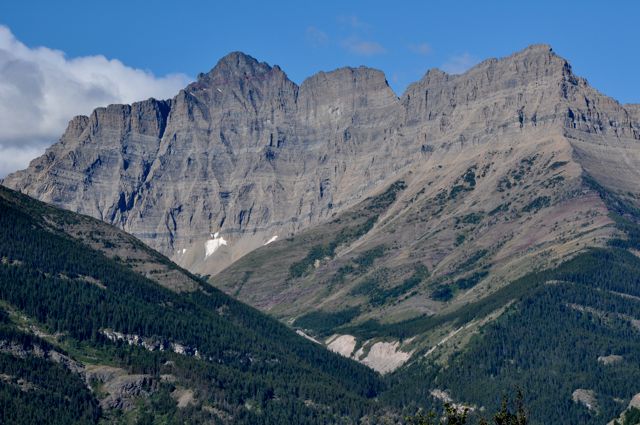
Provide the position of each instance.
(570, 342)
(72, 315)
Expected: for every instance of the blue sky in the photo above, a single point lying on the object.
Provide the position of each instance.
(63, 58)
(403, 38)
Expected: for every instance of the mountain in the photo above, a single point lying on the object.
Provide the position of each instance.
(476, 233)
(504, 160)
(244, 156)
(243, 153)
(97, 327)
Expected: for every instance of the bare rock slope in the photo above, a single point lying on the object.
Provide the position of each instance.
(242, 152)
(244, 156)
(438, 197)
(503, 175)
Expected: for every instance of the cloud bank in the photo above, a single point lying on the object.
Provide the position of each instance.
(41, 90)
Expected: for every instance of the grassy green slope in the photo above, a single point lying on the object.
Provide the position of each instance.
(251, 369)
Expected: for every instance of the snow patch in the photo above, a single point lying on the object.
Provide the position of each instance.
(213, 244)
(273, 239)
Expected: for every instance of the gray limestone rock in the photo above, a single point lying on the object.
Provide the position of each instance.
(244, 156)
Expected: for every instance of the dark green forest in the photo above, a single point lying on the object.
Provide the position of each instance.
(549, 343)
(37, 391)
(247, 358)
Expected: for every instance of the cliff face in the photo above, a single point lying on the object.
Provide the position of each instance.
(243, 155)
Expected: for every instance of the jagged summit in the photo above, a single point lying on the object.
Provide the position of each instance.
(241, 67)
(525, 62)
(238, 62)
(236, 69)
(534, 50)
(343, 83)
(354, 71)
(544, 47)
(238, 59)
(534, 62)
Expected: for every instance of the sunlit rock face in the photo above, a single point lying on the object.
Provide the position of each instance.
(246, 154)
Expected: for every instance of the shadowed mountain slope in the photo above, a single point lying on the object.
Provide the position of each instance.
(92, 328)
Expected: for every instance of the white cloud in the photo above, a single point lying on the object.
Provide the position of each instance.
(420, 48)
(41, 90)
(363, 47)
(316, 37)
(459, 64)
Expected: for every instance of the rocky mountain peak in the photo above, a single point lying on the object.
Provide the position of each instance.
(344, 92)
(245, 153)
(237, 69)
(537, 49)
(238, 63)
(241, 80)
(76, 126)
(355, 75)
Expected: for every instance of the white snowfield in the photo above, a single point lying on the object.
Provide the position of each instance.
(273, 239)
(213, 244)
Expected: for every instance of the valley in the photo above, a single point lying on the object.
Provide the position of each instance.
(479, 231)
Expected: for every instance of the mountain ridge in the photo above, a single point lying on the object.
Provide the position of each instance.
(501, 187)
(239, 56)
(246, 153)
